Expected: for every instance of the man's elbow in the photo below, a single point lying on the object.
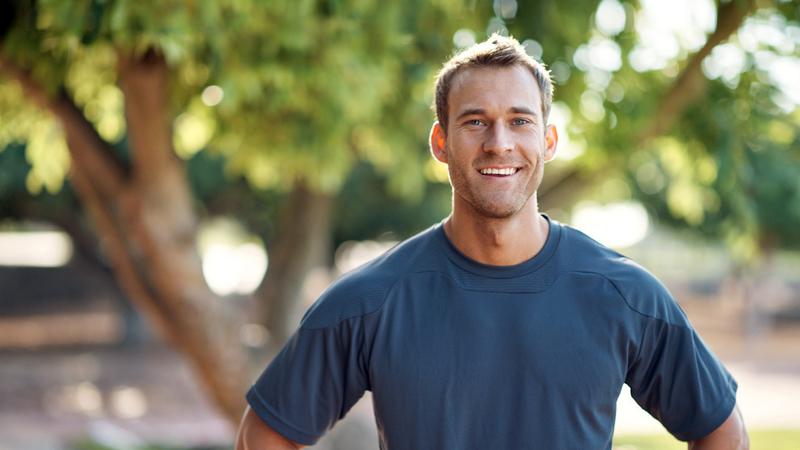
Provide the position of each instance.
(731, 435)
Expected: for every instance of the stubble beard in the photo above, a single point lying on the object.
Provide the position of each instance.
(491, 206)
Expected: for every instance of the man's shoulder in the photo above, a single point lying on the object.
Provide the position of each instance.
(641, 291)
(363, 290)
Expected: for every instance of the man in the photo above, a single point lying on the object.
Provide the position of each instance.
(500, 328)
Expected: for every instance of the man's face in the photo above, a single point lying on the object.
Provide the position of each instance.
(496, 142)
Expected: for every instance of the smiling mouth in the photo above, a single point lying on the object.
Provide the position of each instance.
(497, 172)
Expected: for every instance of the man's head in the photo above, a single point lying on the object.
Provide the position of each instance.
(497, 138)
(497, 51)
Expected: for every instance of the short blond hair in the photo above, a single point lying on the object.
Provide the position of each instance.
(497, 51)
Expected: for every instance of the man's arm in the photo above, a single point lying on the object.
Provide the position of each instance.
(731, 435)
(254, 434)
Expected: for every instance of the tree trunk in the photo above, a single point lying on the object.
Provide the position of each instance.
(147, 226)
(159, 220)
(302, 243)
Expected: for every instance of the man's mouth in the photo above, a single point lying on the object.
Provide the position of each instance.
(499, 172)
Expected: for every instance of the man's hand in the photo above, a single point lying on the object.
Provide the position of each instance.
(254, 434)
(731, 435)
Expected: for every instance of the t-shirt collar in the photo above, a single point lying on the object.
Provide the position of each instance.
(478, 268)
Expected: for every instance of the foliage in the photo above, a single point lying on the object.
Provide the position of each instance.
(290, 91)
(15, 199)
(307, 88)
(729, 166)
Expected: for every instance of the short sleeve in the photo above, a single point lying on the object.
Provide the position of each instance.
(312, 382)
(679, 381)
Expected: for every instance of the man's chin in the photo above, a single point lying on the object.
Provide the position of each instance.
(492, 207)
(497, 211)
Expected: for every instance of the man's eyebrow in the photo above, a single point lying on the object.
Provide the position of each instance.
(522, 110)
(471, 112)
(480, 111)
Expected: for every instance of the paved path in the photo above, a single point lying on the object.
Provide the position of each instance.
(122, 396)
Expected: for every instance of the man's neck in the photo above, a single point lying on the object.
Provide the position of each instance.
(498, 242)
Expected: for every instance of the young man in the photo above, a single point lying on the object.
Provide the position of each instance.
(500, 328)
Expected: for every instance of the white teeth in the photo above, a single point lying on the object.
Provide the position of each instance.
(492, 171)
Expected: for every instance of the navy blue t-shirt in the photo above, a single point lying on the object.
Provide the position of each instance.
(463, 355)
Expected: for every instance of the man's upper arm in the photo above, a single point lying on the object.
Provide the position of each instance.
(254, 434)
(674, 376)
(321, 371)
(731, 435)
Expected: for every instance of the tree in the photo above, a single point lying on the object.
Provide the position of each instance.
(307, 89)
(293, 95)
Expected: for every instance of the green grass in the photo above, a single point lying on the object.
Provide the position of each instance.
(759, 440)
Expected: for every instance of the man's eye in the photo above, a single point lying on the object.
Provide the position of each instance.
(475, 122)
(520, 121)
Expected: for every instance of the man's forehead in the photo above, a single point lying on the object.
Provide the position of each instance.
(507, 87)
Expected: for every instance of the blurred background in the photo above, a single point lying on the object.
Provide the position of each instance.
(180, 179)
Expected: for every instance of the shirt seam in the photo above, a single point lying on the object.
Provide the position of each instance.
(650, 318)
(446, 275)
(410, 273)
(461, 286)
(627, 302)
(721, 408)
(360, 316)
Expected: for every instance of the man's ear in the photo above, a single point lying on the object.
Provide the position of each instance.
(437, 142)
(551, 142)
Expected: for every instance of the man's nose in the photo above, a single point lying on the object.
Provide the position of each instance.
(498, 139)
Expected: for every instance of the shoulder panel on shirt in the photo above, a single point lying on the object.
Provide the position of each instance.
(363, 290)
(639, 288)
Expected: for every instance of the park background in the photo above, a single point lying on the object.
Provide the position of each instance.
(180, 179)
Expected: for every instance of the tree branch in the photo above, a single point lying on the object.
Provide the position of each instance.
(144, 81)
(691, 83)
(686, 88)
(127, 273)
